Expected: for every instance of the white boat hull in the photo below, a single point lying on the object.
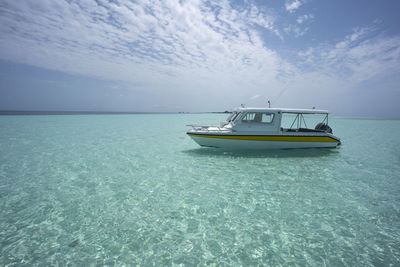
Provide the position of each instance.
(226, 141)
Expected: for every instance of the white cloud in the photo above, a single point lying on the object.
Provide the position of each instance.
(350, 72)
(255, 97)
(295, 30)
(304, 18)
(255, 16)
(164, 46)
(292, 6)
(358, 57)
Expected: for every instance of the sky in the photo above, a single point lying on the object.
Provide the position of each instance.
(177, 55)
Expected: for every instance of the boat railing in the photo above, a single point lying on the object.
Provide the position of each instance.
(301, 130)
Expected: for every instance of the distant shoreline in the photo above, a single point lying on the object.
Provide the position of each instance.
(63, 112)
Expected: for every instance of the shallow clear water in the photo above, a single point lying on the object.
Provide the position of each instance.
(134, 189)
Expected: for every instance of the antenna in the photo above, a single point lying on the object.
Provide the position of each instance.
(242, 105)
(269, 104)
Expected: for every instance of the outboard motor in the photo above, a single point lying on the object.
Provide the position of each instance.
(323, 127)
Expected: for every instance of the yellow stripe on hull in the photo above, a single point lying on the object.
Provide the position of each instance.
(271, 138)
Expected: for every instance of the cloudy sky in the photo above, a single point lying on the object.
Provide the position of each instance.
(196, 55)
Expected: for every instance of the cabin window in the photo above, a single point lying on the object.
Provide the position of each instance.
(257, 117)
(249, 117)
(267, 117)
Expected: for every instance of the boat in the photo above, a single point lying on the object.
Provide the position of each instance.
(265, 128)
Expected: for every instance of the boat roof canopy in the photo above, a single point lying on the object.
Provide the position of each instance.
(286, 110)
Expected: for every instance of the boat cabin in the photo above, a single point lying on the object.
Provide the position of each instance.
(277, 120)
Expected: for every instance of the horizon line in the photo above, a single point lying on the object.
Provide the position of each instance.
(97, 112)
(87, 112)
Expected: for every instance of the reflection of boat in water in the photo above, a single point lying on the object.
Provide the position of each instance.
(262, 128)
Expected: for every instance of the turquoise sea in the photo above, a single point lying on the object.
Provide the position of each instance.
(88, 190)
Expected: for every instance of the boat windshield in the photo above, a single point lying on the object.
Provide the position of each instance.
(233, 116)
(230, 116)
